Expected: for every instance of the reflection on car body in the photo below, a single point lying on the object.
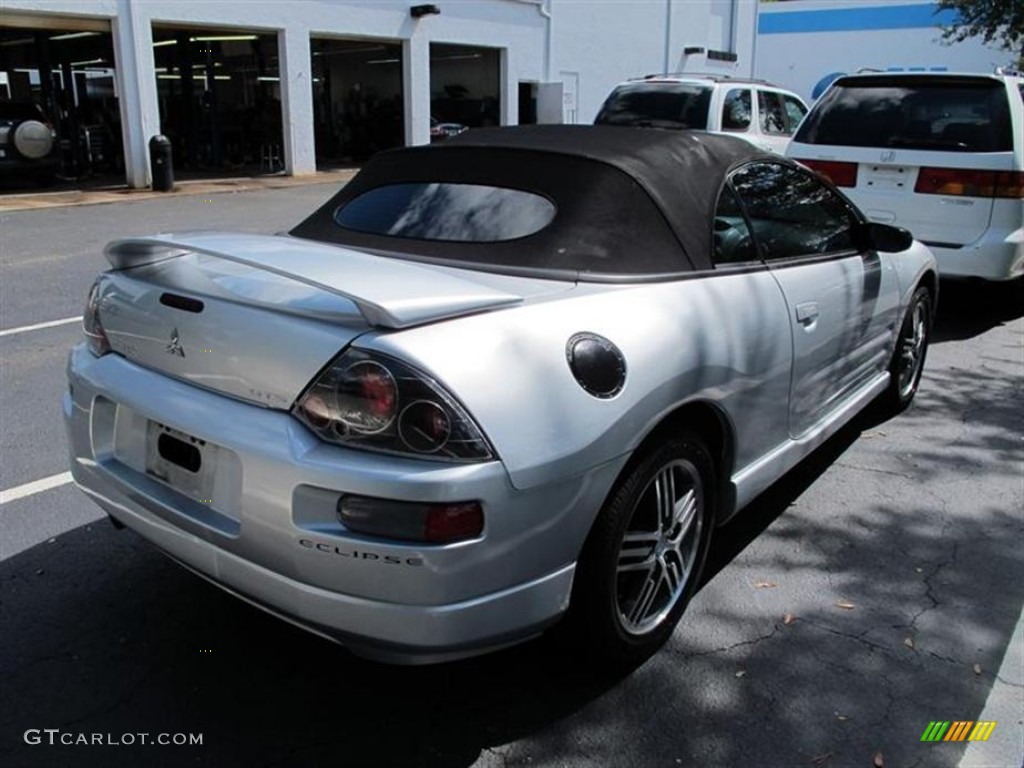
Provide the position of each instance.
(467, 432)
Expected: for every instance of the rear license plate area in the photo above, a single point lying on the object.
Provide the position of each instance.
(184, 462)
(888, 177)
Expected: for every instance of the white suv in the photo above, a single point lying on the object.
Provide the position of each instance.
(940, 154)
(755, 110)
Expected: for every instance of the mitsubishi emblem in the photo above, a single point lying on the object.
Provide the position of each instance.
(174, 347)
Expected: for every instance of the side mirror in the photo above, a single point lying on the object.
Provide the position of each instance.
(886, 238)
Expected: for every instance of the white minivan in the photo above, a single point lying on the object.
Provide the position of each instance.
(941, 154)
(755, 110)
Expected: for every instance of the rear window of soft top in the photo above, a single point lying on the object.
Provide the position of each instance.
(938, 114)
(468, 213)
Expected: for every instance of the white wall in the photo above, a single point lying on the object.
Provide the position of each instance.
(599, 43)
(588, 45)
(798, 60)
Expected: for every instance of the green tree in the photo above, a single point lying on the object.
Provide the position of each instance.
(998, 22)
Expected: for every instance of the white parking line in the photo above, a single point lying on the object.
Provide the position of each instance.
(40, 326)
(36, 486)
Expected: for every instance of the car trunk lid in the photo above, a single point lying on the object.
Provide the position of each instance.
(257, 317)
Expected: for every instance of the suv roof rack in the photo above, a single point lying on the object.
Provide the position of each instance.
(714, 77)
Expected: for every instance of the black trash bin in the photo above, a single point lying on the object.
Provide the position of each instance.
(161, 164)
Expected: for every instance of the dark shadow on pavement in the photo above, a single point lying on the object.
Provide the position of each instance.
(968, 308)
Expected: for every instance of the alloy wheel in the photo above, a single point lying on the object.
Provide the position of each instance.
(912, 348)
(659, 548)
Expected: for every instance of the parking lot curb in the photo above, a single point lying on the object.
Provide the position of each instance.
(61, 199)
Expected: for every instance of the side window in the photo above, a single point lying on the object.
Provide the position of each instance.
(737, 110)
(795, 111)
(792, 213)
(773, 120)
(733, 242)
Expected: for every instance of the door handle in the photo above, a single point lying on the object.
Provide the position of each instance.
(807, 312)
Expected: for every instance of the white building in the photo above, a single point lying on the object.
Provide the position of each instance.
(805, 44)
(235, 82)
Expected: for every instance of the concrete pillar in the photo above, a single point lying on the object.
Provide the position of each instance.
(509, 89)
(416, 86)
(136, 81)
(296, 68)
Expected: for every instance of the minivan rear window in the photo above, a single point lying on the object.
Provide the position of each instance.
(659, 105)
(935, 114)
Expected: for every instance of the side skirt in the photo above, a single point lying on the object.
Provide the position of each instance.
(757, 476)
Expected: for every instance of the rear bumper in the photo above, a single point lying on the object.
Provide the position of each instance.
(270, 534)
(999, 255)
(389, 632)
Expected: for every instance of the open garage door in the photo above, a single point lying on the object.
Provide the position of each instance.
(357, 99)
(220, 100)
(465, 86)
(59, 113)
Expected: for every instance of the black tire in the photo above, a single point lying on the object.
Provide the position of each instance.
(908, 357)
(615, 615)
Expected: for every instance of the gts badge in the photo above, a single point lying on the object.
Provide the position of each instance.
(355, 554)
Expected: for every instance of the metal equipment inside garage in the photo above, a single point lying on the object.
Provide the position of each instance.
(357, 99)
(58, 73)
(465, 85)
(220, 99)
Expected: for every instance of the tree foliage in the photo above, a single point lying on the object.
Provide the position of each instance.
(997, 22)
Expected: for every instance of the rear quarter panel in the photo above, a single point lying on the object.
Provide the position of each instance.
(724, 339)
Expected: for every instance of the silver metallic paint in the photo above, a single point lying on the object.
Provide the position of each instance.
(725, 339)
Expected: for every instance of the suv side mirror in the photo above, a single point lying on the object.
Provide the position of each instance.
(886, 238)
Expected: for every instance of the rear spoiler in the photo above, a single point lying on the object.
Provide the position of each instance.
(389, 293)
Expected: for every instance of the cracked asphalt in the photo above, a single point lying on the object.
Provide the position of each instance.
(876, 588)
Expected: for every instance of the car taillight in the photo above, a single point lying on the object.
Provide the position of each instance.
(840, 174)
(412, 521)
(966, 182)
(367, 400)
(95, 336)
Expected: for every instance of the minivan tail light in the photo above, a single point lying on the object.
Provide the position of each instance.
(839, 173)
(966, 182)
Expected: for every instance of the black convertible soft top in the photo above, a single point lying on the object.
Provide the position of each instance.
(630, 201)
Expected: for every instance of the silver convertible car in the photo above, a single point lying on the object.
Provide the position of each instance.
(508, 380)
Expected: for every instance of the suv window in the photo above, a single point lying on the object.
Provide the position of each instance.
(961, 114)
(737, 110)
(792, 213)
(661, 105)
(773, 119)
(795, 111)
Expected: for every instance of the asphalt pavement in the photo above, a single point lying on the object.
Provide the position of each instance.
(875, 589)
